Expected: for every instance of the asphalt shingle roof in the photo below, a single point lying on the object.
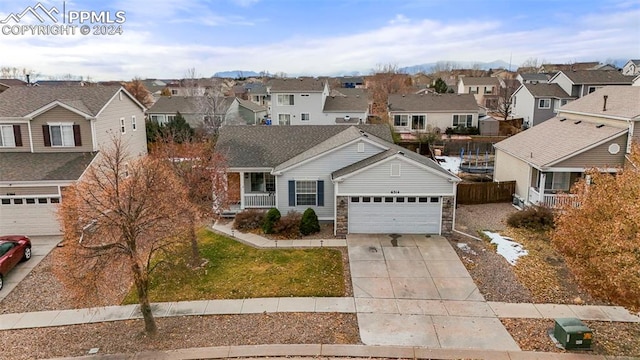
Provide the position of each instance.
(43, 166)
(188, 104)
(296, 85)
(622, 101)
(268, 146)
(598, 77)
(19, 101)
(339, 102)
(475, 81)
(554, 140)
(432, 102)
(535, 76)
(250, 105)
(12, 82)
(547, 90)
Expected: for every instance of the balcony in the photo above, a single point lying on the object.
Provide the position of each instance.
(259, 200)
(552, 201)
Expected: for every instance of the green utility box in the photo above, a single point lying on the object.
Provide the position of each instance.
(572, 333)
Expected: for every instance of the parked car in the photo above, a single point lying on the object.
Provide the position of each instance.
(13, 249)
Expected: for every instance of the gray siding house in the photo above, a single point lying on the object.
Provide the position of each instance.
(535, 103)
(412, 113)
(351, 175)
(595, 131)
(49, 135)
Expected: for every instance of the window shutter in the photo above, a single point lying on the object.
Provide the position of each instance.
(76, 135)
(46, 135)
(320, 188)
(17, 134)
(292, 193)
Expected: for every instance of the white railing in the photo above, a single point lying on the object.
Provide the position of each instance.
(259, 200)
(553, 200)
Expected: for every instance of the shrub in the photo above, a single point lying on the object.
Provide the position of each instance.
(289, 225)
(249, 219)
(309, 223)
(537, 218)
(272, 217)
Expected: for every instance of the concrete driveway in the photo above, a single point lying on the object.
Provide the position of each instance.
(416, 292)
(41, 246)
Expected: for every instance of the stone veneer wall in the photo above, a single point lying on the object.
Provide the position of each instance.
(342, 215)
(448, 207)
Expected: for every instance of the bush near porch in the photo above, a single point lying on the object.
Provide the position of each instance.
(238, 271)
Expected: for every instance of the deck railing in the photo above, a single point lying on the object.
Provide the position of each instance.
(260, 200)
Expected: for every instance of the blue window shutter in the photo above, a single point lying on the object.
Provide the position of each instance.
(292, 193)
(320, 192)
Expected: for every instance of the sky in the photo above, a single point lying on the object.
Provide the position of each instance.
(165, 38)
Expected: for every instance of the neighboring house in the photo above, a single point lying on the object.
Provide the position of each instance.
(245, 112)
(62, 83)
(432, 112)
(551, 68)
(533, 78)
(352, 82)
(595, 131)
(194, 109)
(49, 135)
(351, 175)
(535, 103)
(7, 83)
(155, 87)
(484, 89)
(631, 68)
(308, 101)
(579, 83)
(257, 93)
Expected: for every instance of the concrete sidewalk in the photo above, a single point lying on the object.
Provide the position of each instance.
(262, 242)
(339, 351)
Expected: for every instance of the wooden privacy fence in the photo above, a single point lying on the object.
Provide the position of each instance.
(486, 192)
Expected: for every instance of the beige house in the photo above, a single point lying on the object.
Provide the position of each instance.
(412, 113)
(595, 131)
(49, 135)
(486, 90)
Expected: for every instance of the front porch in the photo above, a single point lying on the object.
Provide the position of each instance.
(251, 190)
(552, 189)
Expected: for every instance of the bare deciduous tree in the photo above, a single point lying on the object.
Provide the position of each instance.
(386, 79)
(136, 88)
(116, 219)
(202, 172)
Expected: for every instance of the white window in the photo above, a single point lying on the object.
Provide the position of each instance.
(120, 96)
(7, 138)
(61, 135)
(360, 147)
(395, 169)
(544, 103)
(306, 193)
(285, 99)
(473, 90)
(304, 117)
(488, 90)
(401, 120)
(418, 122)
(123, 126)
(261, 182)
(134, 126)
(284, 119)
(174, 92)
(170, 118)
(463, 120)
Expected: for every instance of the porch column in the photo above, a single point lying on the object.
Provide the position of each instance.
(543, 180)
(242, 190)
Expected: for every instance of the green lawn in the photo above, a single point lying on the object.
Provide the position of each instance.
(237, 271)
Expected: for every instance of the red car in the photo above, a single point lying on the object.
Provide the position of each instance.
(13, 249)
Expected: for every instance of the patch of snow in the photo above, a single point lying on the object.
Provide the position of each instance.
(508, 248)
(451, 163)
(465, 247)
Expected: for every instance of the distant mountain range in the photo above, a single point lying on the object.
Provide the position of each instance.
(234, 74)
(426, 68)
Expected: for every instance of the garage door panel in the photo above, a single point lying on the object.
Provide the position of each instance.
(29, 219)
(394, 217)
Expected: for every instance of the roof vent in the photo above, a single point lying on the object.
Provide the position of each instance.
(578, 122)
(604, 106)
(401, 153)
(600, 126)
(563, 119)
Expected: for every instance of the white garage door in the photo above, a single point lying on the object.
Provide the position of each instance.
(29, 216)
(394, 214)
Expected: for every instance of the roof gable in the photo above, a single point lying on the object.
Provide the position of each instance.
(547, 90)
(251, 146)
(556, 139)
